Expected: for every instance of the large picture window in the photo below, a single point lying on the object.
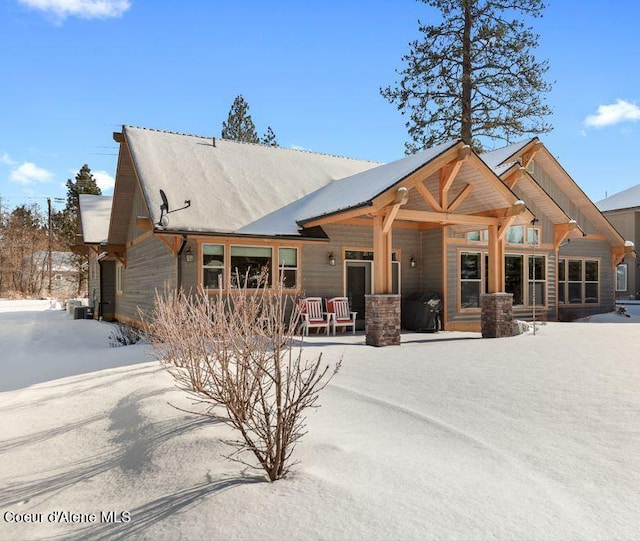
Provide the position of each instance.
(247, 264)
(578, 281)
(470, 279)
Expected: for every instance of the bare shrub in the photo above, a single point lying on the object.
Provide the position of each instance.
(124, 335)
(239, 357)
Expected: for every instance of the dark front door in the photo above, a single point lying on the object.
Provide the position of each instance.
(358, 285)
(107, 304)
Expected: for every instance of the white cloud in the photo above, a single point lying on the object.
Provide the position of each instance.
(104, 180)
(5, 158)
(28, 173)
(85, 9)
(615, 113)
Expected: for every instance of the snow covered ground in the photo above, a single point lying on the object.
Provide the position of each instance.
(445, 437)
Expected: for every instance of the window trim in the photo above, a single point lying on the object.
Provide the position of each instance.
(227, 243)
(119, 278)
(582, 282)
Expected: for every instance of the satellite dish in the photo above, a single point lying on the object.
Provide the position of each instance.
(165, 202)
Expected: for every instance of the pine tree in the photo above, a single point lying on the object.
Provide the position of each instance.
(65, 221)
(269, 138)
(473, 76)
(239, 126)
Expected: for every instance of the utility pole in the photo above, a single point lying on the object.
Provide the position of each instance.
(50, 242)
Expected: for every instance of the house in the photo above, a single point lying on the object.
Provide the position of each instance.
(623, 211)
(61, 282)
(189, 211)
(93, 232)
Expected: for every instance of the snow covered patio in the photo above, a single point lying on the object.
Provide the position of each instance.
(447, 437)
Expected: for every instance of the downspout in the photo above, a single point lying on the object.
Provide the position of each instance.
(179, 263)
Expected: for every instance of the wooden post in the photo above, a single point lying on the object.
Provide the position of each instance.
(381, 256)
(494, 260)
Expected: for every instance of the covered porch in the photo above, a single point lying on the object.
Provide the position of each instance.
(444, 190)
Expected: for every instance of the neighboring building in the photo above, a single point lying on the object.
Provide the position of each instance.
(61, 282)
(623, 211)
(188, 211)
(93, 232)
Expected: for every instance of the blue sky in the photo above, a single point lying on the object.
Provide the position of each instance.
(74, 71)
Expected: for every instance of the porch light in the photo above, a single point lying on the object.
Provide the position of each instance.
(189, 256)
(412, 262)
(332, 259)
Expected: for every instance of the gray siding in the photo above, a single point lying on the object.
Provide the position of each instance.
(431, 260)
(150, 265)
(107, 302)
(321, 279)
(628, 225)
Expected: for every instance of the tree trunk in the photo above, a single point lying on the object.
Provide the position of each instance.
(465, 127)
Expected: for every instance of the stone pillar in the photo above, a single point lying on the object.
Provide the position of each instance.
(497, 315)
(382, 320)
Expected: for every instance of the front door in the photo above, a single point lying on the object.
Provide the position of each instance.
(358, 284)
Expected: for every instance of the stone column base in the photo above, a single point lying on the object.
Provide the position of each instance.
(382, 320)
(497, 315)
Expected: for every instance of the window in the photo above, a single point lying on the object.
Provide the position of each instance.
(514, 277)
(515, 235)
(578, 281)
(119, 278)
(520, 234)
(288, 266)
(248, 263)
(621, 277)
(537, 280)
(470, 279)
(57, 277)
(213, 266)
(591, 282)
(533, 235)
(562, 282)
(478, 236)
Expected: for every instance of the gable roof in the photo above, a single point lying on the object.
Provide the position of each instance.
(95, 213)
(502, 160)
(229, 184)
(351, 192)
(626, 199)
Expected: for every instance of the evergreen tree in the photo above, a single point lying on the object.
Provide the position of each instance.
(65, 221)
(269, 138)
(239, 126)
(473, 76)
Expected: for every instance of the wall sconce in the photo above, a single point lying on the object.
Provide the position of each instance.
(189, 256)
(332, 260)
(412, 262)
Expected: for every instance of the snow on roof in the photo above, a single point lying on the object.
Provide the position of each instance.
(229, 184)
(625, 199)
(95, 213)
(350, 192)
(497, 158)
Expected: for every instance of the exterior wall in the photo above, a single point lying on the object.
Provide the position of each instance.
(628, 225)
(321, 279)
(93, 282)
(150, 265)
(591, 249)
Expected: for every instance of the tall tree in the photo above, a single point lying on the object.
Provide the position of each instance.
(239, 126)
(473, 76)
(65, 221)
